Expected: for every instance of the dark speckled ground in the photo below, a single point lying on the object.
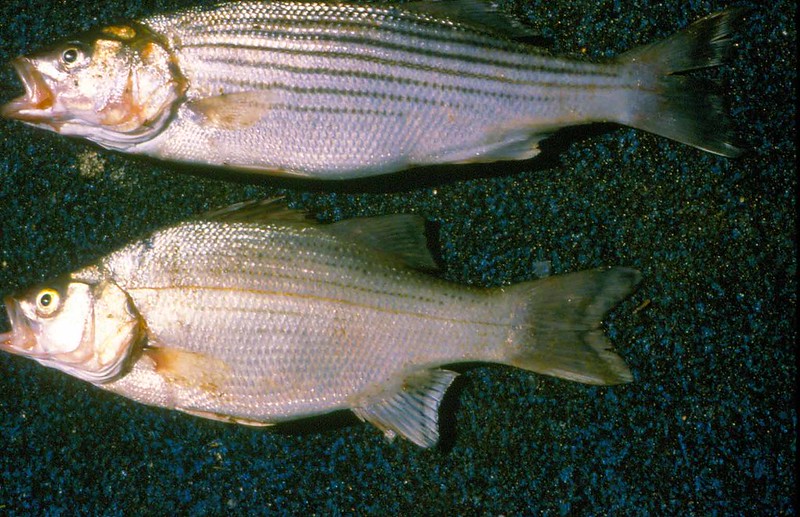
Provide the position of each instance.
(708, 426)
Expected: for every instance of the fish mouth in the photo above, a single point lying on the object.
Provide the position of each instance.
(20, 340)
(35, 105)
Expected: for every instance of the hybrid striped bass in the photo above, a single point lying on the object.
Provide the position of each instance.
(337, 90)
(258, 315)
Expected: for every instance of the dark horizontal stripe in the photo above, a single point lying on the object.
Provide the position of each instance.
(240, 61)
(224, 271)
(336, 111)
(205, 20)
(393, 26)
(250, 85)
(263, 85)
(312, 297)
(376, 43)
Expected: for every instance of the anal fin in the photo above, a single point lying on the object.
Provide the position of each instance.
(506, 145)
(412, 411)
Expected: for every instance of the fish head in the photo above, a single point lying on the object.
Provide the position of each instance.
(87, 331)
(116, 86)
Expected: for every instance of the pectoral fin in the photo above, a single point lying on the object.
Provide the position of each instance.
(188, 369)
(232, 111)
(412, 411)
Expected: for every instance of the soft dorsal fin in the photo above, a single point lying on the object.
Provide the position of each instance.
(413, 410)
(399, 235)
(481, 14)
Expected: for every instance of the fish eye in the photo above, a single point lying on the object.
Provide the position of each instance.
(47, 301)
(69, 56)
(72, 56)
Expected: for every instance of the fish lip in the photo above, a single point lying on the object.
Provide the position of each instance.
(19, 340)
(35, 105)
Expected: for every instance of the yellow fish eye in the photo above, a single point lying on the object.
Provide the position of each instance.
(47, 301)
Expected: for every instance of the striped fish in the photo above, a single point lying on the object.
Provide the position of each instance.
(337, 90)
(257, 315)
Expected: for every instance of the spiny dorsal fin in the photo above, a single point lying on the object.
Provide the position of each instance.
(413, 411)
(399, 235)
(273, 209)
(480, 14)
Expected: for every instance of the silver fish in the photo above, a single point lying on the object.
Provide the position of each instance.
(258, 315)
(338, 90)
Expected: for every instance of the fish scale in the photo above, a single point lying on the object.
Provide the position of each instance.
(257, 315)
(297, 303)
(378, 117)
(337, 91)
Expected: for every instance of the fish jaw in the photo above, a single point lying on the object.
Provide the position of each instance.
(20, 340)
(36, 106)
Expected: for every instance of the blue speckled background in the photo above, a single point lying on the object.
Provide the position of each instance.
(708, 425)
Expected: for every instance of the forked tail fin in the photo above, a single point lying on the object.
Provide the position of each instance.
(680, 107)
(558, 325)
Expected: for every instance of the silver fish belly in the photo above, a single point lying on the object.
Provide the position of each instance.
(263, 322)
(337, 90)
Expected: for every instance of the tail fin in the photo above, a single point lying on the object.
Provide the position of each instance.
(680, 107)
(558, 332)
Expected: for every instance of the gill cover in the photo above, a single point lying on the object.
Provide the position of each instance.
(116, 86)
(87, 331)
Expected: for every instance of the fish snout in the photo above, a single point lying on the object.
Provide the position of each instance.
(38, 98)
(5, 339)
(8, 337)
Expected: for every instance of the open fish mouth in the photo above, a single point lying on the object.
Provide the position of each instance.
(35, 105)
(20, 339)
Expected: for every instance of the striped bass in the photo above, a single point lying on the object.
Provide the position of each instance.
(258, 315)
(337, 90)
